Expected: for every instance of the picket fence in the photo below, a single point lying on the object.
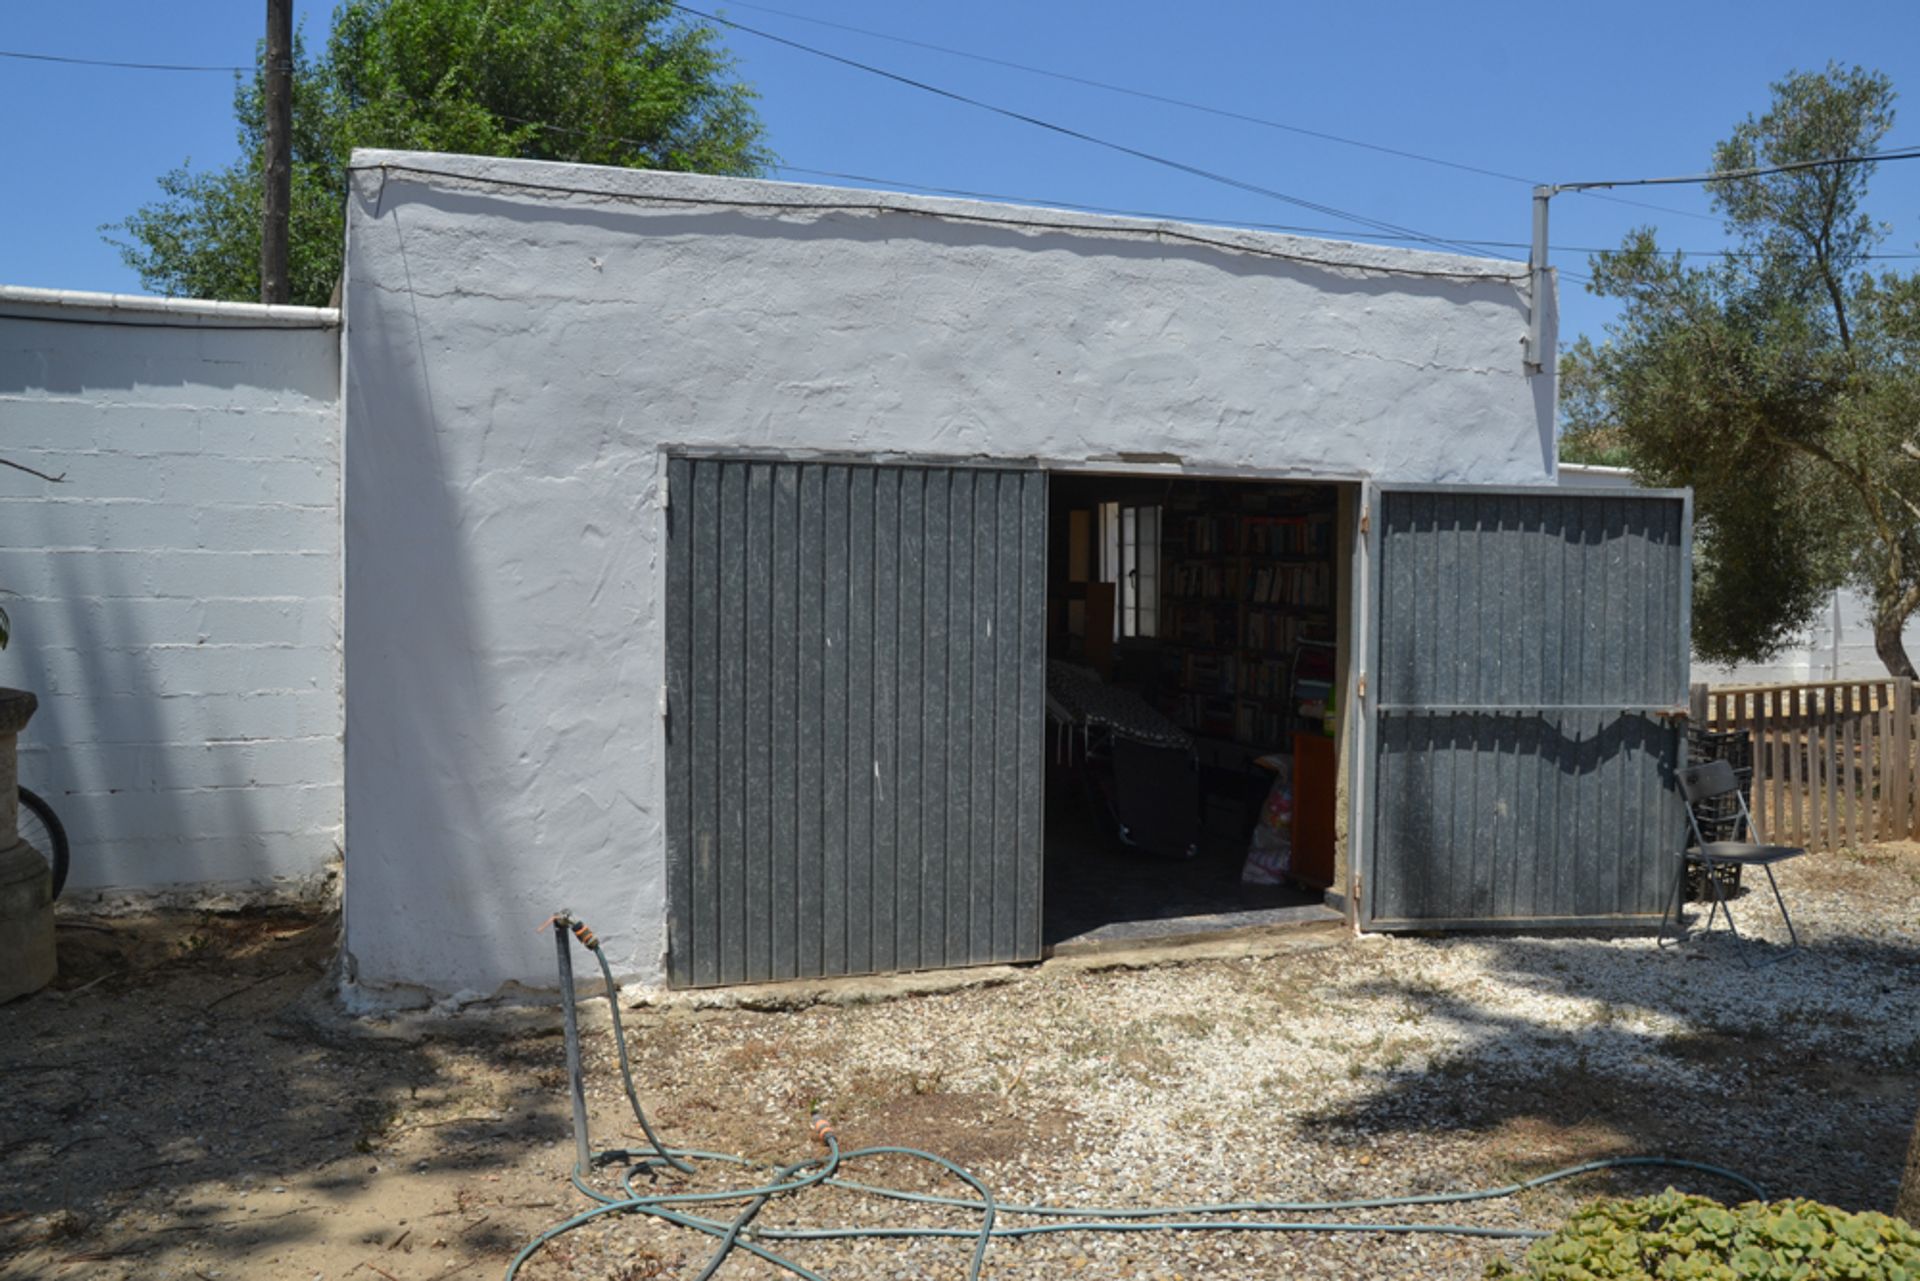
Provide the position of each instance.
(1833, 761)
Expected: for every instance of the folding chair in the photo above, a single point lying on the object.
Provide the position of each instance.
(1703, 785)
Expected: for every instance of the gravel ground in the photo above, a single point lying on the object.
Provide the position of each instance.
(199, 1111)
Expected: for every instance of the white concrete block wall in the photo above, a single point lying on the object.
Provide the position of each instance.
(176, 600)
(517, 359)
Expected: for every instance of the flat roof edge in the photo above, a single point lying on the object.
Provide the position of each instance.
(559, 178)
(252, 314)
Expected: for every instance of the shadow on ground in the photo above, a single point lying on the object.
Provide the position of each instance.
(1803, 1074)
(184, 1097)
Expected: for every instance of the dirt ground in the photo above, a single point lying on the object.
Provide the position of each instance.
(188, 1102)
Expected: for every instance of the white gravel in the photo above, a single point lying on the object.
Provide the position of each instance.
(1364, 1067)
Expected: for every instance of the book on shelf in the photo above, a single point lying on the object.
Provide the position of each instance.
(1203, 580)
(1246, 615)
(1301, 585)
(1306, 534)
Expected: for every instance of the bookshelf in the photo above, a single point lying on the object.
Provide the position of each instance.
(1247, 622)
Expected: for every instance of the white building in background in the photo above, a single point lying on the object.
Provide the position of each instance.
(1839, 647)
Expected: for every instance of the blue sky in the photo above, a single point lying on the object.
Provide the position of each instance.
(1558, 93)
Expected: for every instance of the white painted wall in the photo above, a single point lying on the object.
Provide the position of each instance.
(1838, 646)
(517, 359)
(175, 601)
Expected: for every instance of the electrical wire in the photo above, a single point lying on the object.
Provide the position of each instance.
(897, 184)
(1078, 134)
(1759, 171)
(1211, 220)
(124, 66)
(739, 1232)
(1208, 109)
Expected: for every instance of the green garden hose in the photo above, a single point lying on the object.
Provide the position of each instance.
(739, 1233)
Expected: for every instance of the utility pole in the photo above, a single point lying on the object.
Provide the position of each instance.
(1538, 267)
(277, 200)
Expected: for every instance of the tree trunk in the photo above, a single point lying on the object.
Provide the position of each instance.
(1889, 620)
(1907, 1206)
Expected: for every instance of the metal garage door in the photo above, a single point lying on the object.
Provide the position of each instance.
(1529, 651)
(855, 676)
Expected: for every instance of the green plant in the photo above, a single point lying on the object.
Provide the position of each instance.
(1676, 1237)
(632, 83)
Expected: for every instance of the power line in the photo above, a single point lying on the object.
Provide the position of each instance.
(1065, 131)
(1730, 175)
(1215, 220)
(102, 62)
(898, 184)
(1189, 105)
(1228, 223)
(1122, 212)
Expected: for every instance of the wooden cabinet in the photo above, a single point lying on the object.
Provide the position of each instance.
(1315, 777)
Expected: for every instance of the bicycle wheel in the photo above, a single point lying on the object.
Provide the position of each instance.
(41, 828)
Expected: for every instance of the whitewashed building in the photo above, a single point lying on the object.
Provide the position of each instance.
(707, 539)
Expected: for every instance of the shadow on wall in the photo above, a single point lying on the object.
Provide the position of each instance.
(426, 836)
(145, 799)
(212, 356)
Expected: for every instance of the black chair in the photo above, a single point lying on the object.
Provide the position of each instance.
(1705, 785)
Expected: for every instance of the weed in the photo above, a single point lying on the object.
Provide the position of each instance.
(377, 1119)
(1197, 1026)
(1869, 855)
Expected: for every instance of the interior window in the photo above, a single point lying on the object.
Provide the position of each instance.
(1130, 559)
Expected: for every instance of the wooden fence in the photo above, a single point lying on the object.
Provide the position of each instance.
(1833, 762)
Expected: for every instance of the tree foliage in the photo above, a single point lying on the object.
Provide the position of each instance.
(609, 82)
(1781, 383)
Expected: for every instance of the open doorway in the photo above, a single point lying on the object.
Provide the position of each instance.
(1195, 651)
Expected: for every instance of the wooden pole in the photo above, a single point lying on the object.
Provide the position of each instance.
(277, 199)
(1796, 755)
(1903, 757)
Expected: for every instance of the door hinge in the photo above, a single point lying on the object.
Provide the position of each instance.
(1360, 688)
(663, 700)
(665, 497)
(1366, 520)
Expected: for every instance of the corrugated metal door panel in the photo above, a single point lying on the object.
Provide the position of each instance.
(855, 669)
(1525, 644)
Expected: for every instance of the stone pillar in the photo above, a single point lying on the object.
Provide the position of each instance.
(26, 882)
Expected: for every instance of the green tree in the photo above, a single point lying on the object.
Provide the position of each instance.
(1781, 383)
(609, 82)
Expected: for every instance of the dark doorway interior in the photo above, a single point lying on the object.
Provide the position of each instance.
(1192, 639)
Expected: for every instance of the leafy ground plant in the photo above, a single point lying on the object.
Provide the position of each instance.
(1675, 1237)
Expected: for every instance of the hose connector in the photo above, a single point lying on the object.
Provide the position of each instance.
(823, 1132)
(563, 919)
